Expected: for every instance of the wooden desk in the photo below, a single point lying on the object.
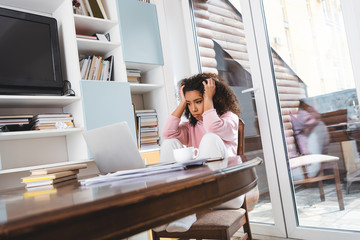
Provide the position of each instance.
(120, 209)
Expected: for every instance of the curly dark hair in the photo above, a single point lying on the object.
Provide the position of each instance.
(224, 99)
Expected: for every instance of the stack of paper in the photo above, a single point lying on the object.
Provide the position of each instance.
(133, 173)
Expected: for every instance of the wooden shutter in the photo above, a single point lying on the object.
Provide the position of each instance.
(219, 21)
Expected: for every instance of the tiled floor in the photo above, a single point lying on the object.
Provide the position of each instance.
(312, 212)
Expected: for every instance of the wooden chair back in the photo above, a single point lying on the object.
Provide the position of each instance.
(241, 138)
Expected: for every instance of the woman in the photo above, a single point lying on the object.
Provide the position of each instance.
(311, 137)
(213, 114)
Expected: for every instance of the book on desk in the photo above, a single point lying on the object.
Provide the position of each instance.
(53, 175)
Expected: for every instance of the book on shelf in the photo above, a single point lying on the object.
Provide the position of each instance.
(133, 75)
(15, 119)
(89, 37)
(52, 115)
(26, 116)
(147, 128)
(102, 37)
(107, 35)
(57, 125)
(92, 67)
(52, 121)
(102, 9)
(110, 68)
(88, 8)
(96, 68)
(139, 112)
(97, 11)
(133, 79)
(133, 72)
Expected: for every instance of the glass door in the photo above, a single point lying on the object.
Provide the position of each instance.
(223, 39)
(311, 101)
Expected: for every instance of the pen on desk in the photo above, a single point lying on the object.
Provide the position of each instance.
(215, 159)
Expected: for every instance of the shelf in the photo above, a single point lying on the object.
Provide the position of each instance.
(35, 5)
(10, 101)
(150, 150)
(96, 47)
(38, 133)
(139, 88)
(90, 25)
(15, 170)
(143, 67)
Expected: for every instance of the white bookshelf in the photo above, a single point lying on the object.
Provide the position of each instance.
(24, 150)
(44, 148)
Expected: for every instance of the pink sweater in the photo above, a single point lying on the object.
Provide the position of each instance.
(225, 126)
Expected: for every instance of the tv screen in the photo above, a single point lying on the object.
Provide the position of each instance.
(30, 54)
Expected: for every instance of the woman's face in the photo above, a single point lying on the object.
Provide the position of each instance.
(195, 103)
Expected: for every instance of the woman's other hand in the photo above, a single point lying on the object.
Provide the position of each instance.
(210, 88)
(209, 93)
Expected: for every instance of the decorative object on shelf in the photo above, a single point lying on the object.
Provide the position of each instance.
(67, 90)
(76, 7)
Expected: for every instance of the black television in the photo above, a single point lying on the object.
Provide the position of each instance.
(30, 62)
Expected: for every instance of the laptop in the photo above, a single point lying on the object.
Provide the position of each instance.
(113, 148)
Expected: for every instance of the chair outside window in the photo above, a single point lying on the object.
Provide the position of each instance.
(327, 163)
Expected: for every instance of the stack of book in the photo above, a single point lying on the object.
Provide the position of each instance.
(96, 68)
(96, 36)
(133, 75)
(11, 121)
(147, 129)
(53, 176)
(92, 8)
(52, 121)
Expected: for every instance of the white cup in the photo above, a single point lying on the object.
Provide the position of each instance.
(185, 154)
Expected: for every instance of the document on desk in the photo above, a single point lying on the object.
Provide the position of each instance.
(150, 170)
(133, 173)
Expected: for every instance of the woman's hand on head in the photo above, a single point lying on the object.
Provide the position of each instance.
(182, 105)
(209, 88)
(182, 95)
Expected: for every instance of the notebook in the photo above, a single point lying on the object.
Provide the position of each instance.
(113, 148)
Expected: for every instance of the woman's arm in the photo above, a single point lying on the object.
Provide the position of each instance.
(182, 105)
(172, 127)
